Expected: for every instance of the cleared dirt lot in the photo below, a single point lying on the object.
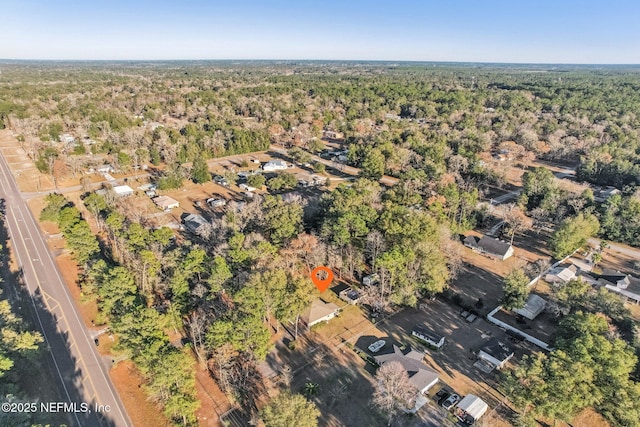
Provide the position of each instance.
(27, 175)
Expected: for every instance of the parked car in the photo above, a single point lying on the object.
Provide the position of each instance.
(451, 401)
(221, 180)
(441, 396)
(247, 187)
(214, 203)
(377, 346)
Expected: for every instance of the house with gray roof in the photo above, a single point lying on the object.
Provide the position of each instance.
(197, 224)
(489, 246)
(420, 375)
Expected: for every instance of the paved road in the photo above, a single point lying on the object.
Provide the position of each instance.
(557, 168)
(76, 363)
(617, 247)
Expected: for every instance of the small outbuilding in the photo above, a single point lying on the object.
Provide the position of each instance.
(147, 187)
(471, 408)
(370, 280)
(534, 306)
(350, 295)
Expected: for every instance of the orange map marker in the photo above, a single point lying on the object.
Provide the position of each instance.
(322, 284)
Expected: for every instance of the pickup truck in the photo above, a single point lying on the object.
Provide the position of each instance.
(214, 203)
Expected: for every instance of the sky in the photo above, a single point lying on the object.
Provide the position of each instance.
(524, 31)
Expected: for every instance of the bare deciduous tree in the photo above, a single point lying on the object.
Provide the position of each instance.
(375, 246)
(393, 390)
(516, 221)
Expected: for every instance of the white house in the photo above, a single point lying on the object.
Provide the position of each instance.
(495, 248)
(123, 190)
(165, 203)
(319, 311)
(428, 337)
(274, 165)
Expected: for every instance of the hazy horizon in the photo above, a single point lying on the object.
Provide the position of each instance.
(319, 60)
(499, 31)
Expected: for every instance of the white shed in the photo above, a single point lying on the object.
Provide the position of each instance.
(534, 306)
(471, 406)
(123, 190)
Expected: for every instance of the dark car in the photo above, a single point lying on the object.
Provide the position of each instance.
(441, 396)
(221, 180)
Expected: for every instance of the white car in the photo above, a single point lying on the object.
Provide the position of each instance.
(376, 346)
(247, 187)
(451, 401)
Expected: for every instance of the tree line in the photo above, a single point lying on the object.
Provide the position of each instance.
(124, 306)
